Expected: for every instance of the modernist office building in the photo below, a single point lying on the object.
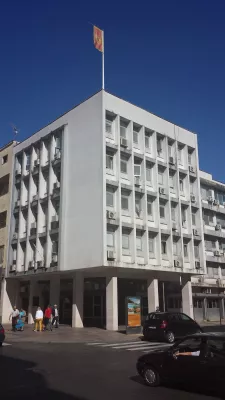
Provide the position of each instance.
(106, 204)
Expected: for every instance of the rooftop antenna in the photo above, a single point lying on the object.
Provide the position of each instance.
(15, 130)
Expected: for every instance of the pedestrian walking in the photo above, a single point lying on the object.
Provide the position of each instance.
(38, 320)
(55, 314)
(14, 316)
(47, 318)
(21, 320)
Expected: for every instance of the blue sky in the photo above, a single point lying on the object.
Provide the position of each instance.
(166, 56)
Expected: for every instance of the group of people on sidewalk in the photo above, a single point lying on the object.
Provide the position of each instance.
(43, 321)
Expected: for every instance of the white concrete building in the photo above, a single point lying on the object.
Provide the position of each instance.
(106, 204)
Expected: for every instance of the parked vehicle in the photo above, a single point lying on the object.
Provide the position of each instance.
(2, 334)
(197, 359)
(168, 326)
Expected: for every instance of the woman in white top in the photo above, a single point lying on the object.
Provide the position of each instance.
(38, 320)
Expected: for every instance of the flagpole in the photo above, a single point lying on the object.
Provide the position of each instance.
(103, 62)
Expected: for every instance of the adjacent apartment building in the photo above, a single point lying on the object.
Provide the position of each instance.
(105, 204)
(6, 163)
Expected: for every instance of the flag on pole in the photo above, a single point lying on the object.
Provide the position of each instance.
(98, 39)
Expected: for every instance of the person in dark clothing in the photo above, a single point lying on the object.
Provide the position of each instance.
(47, 319)
(55, 314)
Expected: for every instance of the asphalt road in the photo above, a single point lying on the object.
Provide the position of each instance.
(78, 372)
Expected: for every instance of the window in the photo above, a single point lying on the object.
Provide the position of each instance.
(185, 317)
(28, 162)
(171, 180)
(181, 183)
(163, 246)
(125, 201)
(3, 216)
(149, 206)
(191, 187)
(183, 215)
(175, 248)
(110, 238)
(1, 254)
(189, 158)
(207, 217)
(191, 344)
(160, 177)
(170, 150)
(186, 250)
(138, 207)
(16, 225)
(137, 170)
(108, 126)
(193, 218)
(162, 210)
(139, 242)
(223, 271)
(159, 146)
(173, 213)
(125, 240)
(135, 136)
(109, 197)
(179, 155)
(5, 159)
(196, 250)
(151, 244)
(109, 161)
(4, 185)
(217, 346)
(123, 130)
(147, 142)
(123, 166)
(58, 142)
(148, 173)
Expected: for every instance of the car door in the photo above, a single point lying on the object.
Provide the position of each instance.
(214, 363)
(175, 324)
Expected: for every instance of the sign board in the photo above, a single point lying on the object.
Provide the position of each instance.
(133, 312)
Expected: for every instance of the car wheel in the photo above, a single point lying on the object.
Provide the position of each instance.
(151, 376)
(170, 337)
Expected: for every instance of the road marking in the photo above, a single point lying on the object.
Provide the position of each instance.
(6, 344)
(118, 344)
(146, 347)
(137, 344)
(93, 343)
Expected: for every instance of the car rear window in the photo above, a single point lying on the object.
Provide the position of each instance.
(157, 316)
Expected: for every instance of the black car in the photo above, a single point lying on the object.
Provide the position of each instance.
(2, 334)
(168, 326)
(197, 359)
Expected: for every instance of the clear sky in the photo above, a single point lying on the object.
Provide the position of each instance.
(165, 56)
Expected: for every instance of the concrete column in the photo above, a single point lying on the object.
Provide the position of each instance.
(187, 301)
(153, 294)
(10, 298)
(111, 304)
(30, 305)
(54, 290)
(222, 308)
(78, 300)
(205, 308)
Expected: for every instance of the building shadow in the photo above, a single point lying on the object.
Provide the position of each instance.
(21, 379)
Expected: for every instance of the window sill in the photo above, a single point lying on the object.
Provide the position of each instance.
(110, 171)
(165, 257)
(126, 252)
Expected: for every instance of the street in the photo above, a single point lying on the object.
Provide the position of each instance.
(80, 371)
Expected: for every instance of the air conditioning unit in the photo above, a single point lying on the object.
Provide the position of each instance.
(56, 185)
(110, 214)
(111, 255)
(55, 218)
(171, 160)
(197, 265)
(174, 226)
(216, 203)
(54, 257)
(18, 171)
(195, 232)
(176, 264)
(216, 253)
(12, 268)
(161, 190)
(40, 264)
(137, 181)
(35, 197)
(33, 225)
(218, 227)
(201, 279)
(57, 154)
(36, 162)
(191, 169)
(31, 264)
(193, 199)
(123, 142)
(219, 282)
(15, 236)
(210, 199)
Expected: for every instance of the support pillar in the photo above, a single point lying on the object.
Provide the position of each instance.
(78, 300)
(187, 300)
(55, 290)
(30, 305)
(111, 304)
(10, 298)
(153, 294)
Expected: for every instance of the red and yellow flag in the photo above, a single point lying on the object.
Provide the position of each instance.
(98, 39)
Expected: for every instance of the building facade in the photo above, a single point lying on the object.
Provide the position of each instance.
(6, 165)
(105, 204)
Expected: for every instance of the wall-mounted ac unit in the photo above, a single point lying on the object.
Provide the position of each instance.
(15, 236)
(31, 264)
(216, 203)
(216, 253)
(210, 199)
(56, 185)
(197, 265)
(54, 258)
(18, 171)
(191, 169)
(171, 160)
(12, 268)
(55, 218)
(193, 198)
(195, 232)
(218, 227)
(176, 264)
(123, 142)
(137, 181)
(161, 190)
(110, 214)
(111, 255)
(36, 162)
